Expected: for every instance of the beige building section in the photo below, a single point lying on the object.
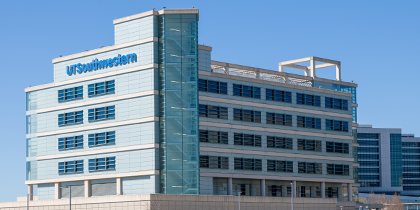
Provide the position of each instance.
(180, 202)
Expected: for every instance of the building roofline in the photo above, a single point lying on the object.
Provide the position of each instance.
(154, 12)
(284, 74)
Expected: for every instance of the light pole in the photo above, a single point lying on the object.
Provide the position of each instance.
(69, 195)
(239, 200)
(292, 193)
(27, 200)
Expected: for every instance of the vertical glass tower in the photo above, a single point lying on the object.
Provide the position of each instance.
(178, 68)
(396, 159)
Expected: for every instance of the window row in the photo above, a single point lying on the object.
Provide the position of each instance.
(337, 169)
(219, 137)
(96, 114)
(74, 93)
(271, 95)
(410, 144)
(97, 139)
(215, 162)
(271, 118)
(368, 170)
(98, 164)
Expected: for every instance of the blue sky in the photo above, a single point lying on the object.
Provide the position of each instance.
(377, 42)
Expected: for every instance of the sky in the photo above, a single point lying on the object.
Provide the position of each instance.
(377, 43)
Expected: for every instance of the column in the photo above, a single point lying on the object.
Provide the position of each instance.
(338, 72)
(226, 69)
(281, 68)
(294, 189)
(87, 188)
(312, 68)
(322, 189)
(262, 187)
(284, 190)
(340, 193)
(229, 186)
(57, 190)
(350, 191)
(30, 192)
(313, 192)
(119, 186)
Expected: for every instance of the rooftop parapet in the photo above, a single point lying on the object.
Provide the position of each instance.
(281, 77)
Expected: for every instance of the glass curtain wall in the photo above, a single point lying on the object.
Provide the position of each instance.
(178, 69)
(396, 160)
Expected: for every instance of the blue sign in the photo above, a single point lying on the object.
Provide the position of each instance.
(96, 64)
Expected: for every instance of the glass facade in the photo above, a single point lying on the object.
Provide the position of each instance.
(396, 159)
(178, 69)
(411, 166)
(368, 157)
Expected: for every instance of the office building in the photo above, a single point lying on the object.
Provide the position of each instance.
(154, 114)
(410, 165)
(389, 161)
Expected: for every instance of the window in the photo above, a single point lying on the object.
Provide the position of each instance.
(336, 125)
(371, 184)
(246, 115)
(279, 166)
(70, 167)
(337, 147)
(369, 150)
(410, 150)
(274, 190)
(101, 164)
(310, 145)
(248, 164)
(278, 95)
(410, 144)
(246, 91)
(279, 142)
(306, 99)
(368, 177)
(367, 136)
(336, 169)
(310, 168)
(369, 163)
(407, 157)
(70, 142)
(279, 119)
(308, 122)
(334, 103)
(368, 156)
(102, 113)
(331, 192)
(367, 143)
(247, 139)
(304, 191)
(70, 94)
(213, 137)
(213, 111)
(212, 86)
(214, 162)
(101, 88)
(369, 170)
(98, 139)
(70, 118)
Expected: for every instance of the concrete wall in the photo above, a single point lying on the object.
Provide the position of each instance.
(177, 202)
